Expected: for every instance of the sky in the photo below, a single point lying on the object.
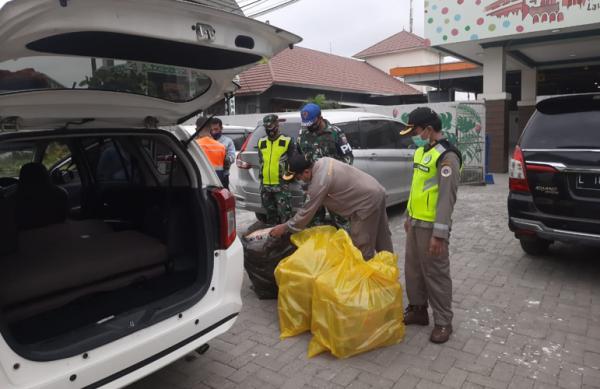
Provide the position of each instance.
(346, 27)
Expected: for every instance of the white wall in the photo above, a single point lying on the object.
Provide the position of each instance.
(406, 58)
(417, 57)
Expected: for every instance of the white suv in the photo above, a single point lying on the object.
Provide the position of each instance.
(119, 252)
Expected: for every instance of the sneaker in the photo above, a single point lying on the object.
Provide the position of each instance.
(416, 314)
(440, 334)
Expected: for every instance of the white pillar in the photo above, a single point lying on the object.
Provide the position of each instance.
(528, 86)
(494, 74)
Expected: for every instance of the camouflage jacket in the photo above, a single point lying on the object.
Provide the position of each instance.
(328, 142)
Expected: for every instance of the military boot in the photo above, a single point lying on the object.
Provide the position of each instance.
(416, 314)
(441, 334)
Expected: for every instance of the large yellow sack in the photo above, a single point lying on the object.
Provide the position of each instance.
(357, 306)
(295, 276)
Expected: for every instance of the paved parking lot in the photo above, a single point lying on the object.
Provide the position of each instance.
(520, 322)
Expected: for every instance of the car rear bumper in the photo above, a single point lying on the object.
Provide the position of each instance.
(241, 203)
(526, 220)
(545, 232)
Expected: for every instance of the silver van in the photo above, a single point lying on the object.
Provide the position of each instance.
(377, 146)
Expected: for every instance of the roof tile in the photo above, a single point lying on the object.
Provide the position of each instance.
(310, 68)
(403, 40)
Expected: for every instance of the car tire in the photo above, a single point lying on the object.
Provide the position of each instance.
(535, 246)
(261, 217)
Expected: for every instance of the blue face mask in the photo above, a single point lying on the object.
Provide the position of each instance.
(216, 135)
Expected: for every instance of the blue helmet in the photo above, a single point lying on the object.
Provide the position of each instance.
(309, 114)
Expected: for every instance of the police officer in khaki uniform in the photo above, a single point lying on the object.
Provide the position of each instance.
(348, 192)
(436, 176)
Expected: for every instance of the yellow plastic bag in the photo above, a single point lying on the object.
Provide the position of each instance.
(295, 276)
(357, 306)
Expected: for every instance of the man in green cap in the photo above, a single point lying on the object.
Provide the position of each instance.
(274, 151)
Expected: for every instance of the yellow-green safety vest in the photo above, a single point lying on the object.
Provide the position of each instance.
(271, 152)
(424, 190)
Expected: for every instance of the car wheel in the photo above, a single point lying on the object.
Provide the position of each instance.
(261, 217)
(535, 246)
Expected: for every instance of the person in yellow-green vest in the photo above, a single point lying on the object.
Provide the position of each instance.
(436, 175)
(274, 151)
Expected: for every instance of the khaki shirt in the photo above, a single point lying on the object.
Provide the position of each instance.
(447, 187)
(343, 189)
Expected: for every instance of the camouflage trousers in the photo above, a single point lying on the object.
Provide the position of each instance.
(277, 201)
(336, 220)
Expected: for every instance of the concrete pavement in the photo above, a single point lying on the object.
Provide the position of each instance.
(520, 322)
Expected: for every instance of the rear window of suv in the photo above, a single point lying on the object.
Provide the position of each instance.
(61, 72)
(563, 124)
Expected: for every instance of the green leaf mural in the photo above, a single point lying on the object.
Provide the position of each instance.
(404, 117)
(446, 120)
(468, 127)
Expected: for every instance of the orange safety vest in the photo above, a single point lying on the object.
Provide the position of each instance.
(214, 150)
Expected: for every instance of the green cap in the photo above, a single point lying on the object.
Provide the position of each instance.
(270, 121)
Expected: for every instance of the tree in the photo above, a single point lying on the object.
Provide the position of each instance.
(322, 102)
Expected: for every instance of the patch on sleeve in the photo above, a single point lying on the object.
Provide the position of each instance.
(446, 171)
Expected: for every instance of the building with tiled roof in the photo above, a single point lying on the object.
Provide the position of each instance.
(297, 74)
(411, 59)
(401, 49)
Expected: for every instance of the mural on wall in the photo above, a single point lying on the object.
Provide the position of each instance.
(469, 137)
(449, 21)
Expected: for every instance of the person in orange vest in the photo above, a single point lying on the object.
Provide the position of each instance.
(215, 151)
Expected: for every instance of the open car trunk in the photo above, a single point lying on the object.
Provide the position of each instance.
(108, 235)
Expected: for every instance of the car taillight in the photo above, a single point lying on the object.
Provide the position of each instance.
(517, 175)
(239, 162)
(541, 168)
(226, 204)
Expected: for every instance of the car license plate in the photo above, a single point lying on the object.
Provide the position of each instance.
(588, 181)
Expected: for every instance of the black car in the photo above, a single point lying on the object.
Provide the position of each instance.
(554, 174)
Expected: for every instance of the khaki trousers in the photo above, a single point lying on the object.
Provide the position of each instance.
(372, 234)
(428, 278)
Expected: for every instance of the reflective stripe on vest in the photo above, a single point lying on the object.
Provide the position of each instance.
(422, 203)
(215, 151)
(271, 152)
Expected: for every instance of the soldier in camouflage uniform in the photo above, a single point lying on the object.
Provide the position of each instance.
(318, 138)
(274, 151)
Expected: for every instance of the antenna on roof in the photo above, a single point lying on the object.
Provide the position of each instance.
(411, 16)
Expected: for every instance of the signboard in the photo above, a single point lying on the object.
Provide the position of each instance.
(451, 21)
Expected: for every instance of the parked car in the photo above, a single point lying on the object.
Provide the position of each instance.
(238, 134)
(119, 251)
(554, 174)
(377, 146)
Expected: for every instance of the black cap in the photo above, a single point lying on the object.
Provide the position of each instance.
(296, 165)
(419, 117)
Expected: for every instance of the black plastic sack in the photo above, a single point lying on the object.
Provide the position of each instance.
(262, 254)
